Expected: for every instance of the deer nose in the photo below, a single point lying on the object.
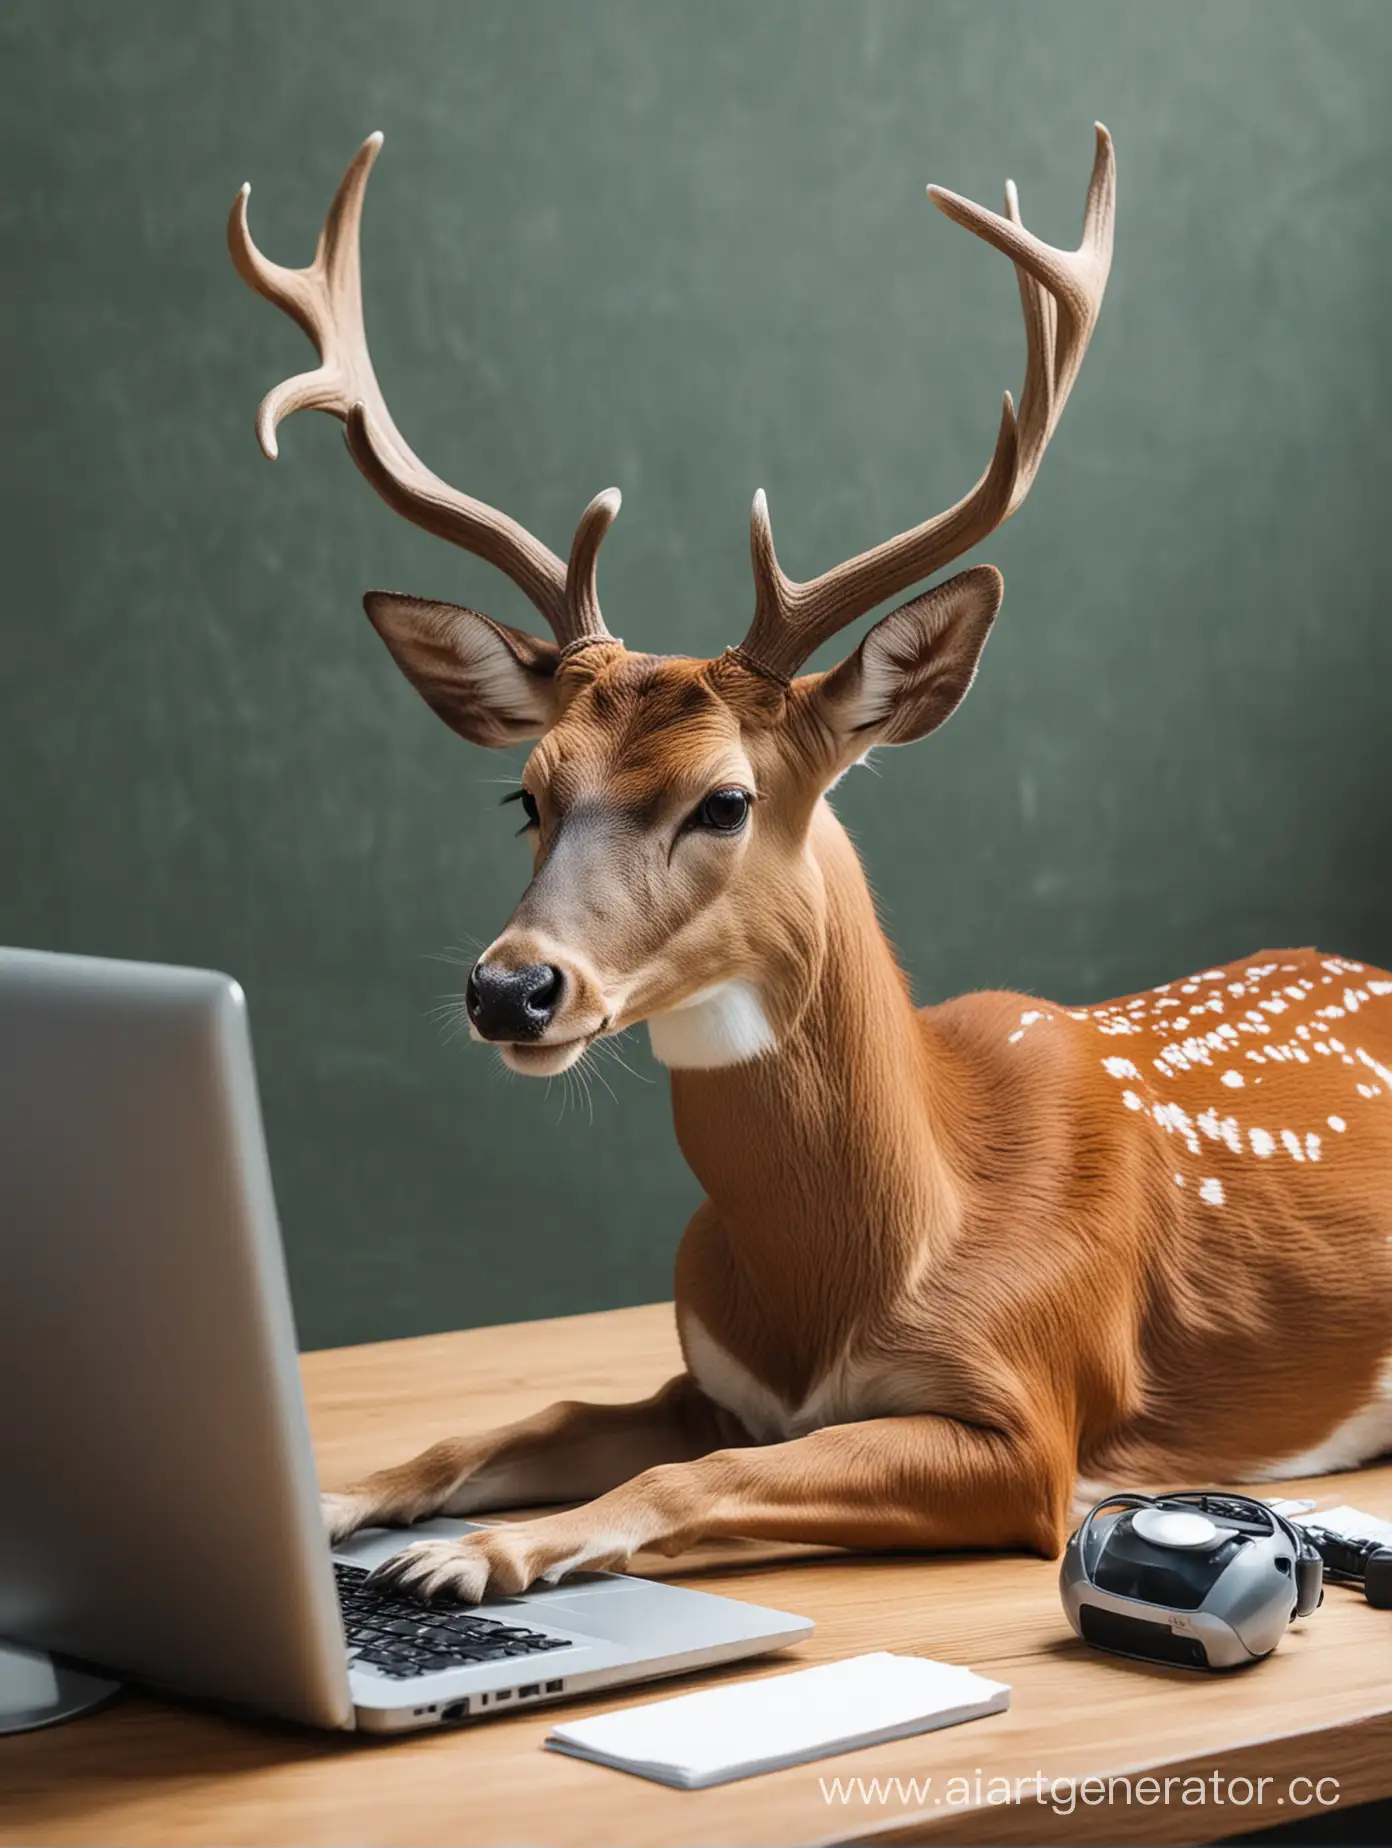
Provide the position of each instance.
(513, 1004)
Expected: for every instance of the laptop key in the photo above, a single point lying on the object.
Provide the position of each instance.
(403, 1636)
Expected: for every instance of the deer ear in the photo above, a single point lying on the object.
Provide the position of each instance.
(914, 668)
(492, 684)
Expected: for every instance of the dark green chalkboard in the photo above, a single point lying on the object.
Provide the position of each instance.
(682, 247)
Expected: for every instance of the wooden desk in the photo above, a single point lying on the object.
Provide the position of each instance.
(145, 1772)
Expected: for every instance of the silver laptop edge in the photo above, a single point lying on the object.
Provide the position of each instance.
(160, 1514)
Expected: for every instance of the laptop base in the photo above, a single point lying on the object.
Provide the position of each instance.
(36, 1690)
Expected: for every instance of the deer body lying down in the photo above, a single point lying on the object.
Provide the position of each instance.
(949, 1260)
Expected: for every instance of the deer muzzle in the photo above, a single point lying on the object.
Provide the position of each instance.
(538, 1005)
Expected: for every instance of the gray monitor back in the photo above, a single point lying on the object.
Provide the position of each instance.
(158, 1503)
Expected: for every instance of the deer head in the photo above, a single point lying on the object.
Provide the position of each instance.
(668, 801)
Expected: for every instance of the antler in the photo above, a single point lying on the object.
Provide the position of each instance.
(326, 300)
(1061, 296)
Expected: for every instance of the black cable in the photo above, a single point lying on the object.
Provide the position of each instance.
(1356, 1562)
(1309, 1561)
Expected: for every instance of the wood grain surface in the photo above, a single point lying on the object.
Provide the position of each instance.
(146, 1771)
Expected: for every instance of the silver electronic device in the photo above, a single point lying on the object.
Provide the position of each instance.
(1200, 1579)
(159, 1511)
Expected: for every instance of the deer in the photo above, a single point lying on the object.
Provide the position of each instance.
(954, 1264)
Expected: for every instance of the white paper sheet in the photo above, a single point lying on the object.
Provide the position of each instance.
(1352, 1522)
(746, 1727)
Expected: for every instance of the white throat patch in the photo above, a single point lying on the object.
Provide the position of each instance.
(723, 1025)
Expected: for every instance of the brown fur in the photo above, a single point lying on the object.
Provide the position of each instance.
(964, 1205)
(948, 1259)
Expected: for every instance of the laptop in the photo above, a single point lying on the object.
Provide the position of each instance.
(159, 1511)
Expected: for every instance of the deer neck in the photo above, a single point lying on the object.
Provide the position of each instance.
(818, 1153)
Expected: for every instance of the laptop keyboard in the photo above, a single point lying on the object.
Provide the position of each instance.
(400, 1636)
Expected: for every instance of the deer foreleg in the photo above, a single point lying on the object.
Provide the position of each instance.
(928, 1483)
(569, 1452)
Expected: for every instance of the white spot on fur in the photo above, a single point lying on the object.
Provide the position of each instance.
(1367, 1434)
(1234, 1079)
(1211, 1191)
(607, 1551)
(1087, 1492)
(1292, 1146)
(1262, 1142)
(1172, 1119)
(1120, 1068)
(722, 1378)
(1132, 1102)
(850, 1390)
(1338, 1125)
(723, 1025)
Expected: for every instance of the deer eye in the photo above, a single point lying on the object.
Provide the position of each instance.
(724, 811)
(529, 807)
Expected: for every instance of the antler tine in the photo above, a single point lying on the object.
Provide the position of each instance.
(325, 299)
(1061, 292)
(792, 619)
(581, 594)
(1060, 297)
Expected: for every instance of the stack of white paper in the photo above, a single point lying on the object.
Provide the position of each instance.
(751, 1726)
(1351, 1522)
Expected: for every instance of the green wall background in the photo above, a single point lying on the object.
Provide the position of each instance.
(684, 248)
